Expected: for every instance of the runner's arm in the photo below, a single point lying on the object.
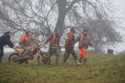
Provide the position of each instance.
(50, 37)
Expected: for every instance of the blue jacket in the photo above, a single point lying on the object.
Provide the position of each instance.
(5, 40)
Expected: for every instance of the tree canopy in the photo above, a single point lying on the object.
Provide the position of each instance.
(44, 16)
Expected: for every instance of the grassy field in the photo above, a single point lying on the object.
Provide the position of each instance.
(99, 69)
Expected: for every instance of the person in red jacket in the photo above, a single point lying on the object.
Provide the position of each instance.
(84, 42)
(26, 39)
(26, 42)
(69, 46)
(54, 47)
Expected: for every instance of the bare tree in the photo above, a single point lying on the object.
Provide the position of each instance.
(44, 16)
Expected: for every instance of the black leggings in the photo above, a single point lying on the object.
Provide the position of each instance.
(1, 54)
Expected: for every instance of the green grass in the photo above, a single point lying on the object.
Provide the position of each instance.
(99, 69)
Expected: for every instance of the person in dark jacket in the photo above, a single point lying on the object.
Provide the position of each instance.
(5, 40)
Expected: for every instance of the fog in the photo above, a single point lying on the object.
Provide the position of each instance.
(121, 13)
(104, 19)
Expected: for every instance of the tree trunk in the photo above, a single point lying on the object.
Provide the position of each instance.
(61, 14)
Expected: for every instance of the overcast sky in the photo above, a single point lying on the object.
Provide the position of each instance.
(120, 13)
(121, 8)
(122, 4)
